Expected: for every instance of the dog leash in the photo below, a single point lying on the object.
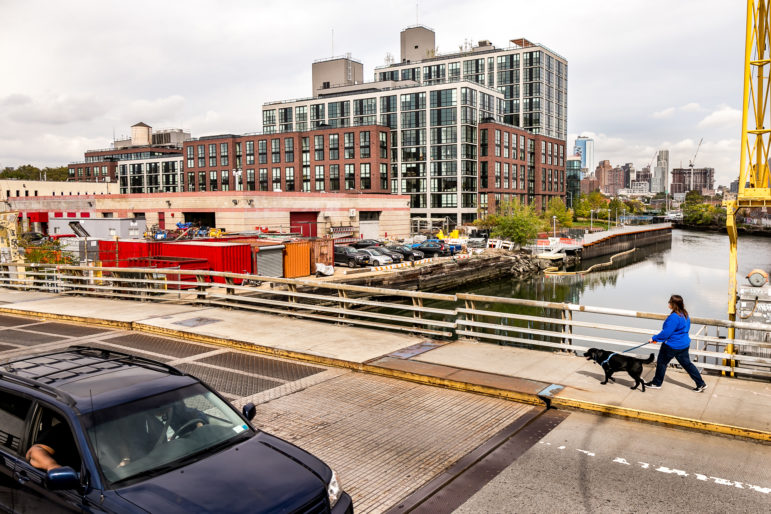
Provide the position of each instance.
(627, 350)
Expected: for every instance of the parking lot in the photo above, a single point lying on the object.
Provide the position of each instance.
(386, 438)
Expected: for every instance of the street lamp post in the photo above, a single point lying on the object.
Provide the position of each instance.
(554, 223)
(591, 220)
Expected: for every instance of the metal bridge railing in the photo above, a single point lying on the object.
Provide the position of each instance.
(510, 321)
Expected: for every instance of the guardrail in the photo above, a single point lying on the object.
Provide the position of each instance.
(388, 309)
(511, 321)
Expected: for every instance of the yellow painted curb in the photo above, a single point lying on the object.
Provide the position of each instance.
(663, 419)
(125, 325)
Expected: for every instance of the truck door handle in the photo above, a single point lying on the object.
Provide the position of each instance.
(22, 478)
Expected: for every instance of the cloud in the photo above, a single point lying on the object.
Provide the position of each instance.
(52, 109)
(691, 107)
(724, 116)
(665, 113)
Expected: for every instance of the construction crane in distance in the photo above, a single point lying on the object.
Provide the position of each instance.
(692, 162)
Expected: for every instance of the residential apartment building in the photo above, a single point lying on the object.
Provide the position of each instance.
(146, 163)
(437, 109)
(323, 160)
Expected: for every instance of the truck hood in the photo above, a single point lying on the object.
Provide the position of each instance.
(262, 474)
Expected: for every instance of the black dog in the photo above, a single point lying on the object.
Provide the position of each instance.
(612, 362)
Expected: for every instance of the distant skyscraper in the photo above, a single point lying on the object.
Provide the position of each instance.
(660, 173)
(585, 148)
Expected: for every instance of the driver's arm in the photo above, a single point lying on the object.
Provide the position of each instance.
(41, 457)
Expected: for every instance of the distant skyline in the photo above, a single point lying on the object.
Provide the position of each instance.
(643, 75)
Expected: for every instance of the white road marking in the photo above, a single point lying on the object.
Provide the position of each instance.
(679, 472)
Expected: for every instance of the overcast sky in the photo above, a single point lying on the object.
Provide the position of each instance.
(643, 74)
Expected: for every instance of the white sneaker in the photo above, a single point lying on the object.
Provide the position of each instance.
(701, 388)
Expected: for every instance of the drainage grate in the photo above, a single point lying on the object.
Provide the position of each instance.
(282, 370)
(13, 321)
(229, 382)
(196, 322)
(25, 338)
(160, 345)
(65, 329)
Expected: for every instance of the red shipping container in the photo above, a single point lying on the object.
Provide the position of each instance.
(172, 263)
(227, 257)
(117, 253)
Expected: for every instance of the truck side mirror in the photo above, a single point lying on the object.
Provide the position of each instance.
(249, 411)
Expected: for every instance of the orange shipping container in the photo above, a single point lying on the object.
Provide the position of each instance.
(297, 259)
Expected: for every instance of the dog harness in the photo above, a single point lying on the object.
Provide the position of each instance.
(609, 356)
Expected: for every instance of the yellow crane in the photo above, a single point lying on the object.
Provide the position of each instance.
(754, 179)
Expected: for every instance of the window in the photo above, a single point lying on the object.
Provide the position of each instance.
(334, 177)
(275, 150)
(318, 148)
(250, 185)
(334, 147)
(348, 148)
(223, 154)
(263, 179)
(250, 152)
(201, 157)
(364, 149)
(365, 175)
(213, 180)
(191, 181)
(306, 186)
(14, 411)
(383, 176)
(350, 176)
(225, 180)
(289, 150)
(190, 158)
(202, 181)
(383, 145)
(289, 178)
(52, 429)
(319, 186)
(262, 147)
(276, 174)
(212, 154)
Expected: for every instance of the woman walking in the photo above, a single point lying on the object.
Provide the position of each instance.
(675, 342)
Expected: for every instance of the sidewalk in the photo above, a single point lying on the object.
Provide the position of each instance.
(729, 406)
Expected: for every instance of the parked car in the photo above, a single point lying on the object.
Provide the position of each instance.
(366, 243)
(130, 434)
(410, 254)
(452, 248)
(431, 248)
(351, 257)
(395, 256)
(375, 258)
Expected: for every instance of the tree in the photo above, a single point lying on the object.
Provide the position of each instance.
(558, 208)
(30, 172)
(515, 222)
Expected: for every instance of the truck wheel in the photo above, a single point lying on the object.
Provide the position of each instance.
(351, 263)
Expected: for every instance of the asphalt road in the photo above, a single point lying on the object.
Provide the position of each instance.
(590, 463)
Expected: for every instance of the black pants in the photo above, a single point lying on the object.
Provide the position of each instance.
(666, 354)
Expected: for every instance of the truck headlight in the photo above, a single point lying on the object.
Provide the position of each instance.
(333, 490)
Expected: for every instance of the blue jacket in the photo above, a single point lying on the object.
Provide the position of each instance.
(675, 332)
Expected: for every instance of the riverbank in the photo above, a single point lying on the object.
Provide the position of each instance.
(450, 273)
(749, 230)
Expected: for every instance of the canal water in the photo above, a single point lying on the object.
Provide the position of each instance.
(694, 265)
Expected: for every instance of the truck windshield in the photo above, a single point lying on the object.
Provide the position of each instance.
(160, 433)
